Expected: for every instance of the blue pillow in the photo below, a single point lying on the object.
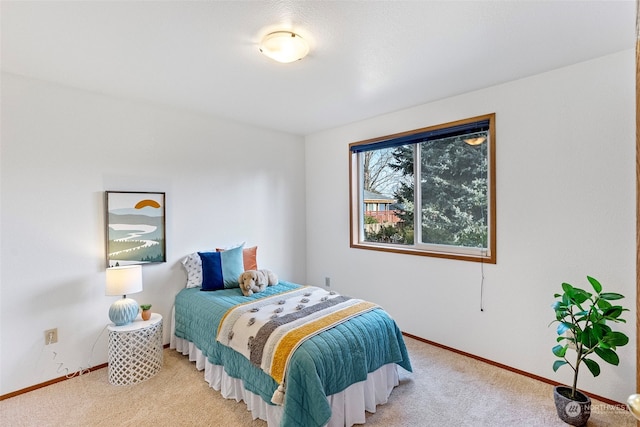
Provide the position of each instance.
(211, 271)
(220, 270)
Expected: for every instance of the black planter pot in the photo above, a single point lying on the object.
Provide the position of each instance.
(576, 411)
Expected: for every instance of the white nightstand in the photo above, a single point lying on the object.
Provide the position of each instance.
(135, 350)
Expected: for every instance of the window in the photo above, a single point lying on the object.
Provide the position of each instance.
(438, 188)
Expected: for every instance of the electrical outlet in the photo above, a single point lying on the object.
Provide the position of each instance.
(51, 336)
(327, 282)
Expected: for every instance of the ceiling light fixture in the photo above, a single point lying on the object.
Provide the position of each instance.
(475, 138)
(476, 141)
(284, 46)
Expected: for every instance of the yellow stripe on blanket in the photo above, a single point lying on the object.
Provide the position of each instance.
(294, 338)
(264, 300)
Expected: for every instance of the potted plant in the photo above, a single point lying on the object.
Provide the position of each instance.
(146, 311)
(582, 319)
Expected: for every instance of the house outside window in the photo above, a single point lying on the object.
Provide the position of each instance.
(452, 166)
(378, 212)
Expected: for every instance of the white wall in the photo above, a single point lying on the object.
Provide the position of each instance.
(565, 209)
(61, 149)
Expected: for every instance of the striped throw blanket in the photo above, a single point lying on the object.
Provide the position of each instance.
(267, 331)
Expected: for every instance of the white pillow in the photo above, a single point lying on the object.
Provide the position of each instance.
(193, 264)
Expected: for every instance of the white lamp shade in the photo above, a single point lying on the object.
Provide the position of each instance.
(284, 46)
(124, 280)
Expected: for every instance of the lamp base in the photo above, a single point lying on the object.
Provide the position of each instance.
(123, 311)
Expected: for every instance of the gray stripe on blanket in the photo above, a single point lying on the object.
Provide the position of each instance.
(256, 345)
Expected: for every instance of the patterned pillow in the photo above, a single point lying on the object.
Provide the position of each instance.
(193, 264)
(220, 270)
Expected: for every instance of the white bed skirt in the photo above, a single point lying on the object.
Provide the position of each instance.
(347, 407)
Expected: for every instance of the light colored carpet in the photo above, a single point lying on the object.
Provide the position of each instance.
(445, 389)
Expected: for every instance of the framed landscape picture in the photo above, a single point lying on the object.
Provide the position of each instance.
(135, 228)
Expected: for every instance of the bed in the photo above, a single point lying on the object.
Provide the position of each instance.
(331, 378)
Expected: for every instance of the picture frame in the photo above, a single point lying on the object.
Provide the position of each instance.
(135, 228)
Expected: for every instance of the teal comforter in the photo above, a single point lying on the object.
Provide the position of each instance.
(324, 365)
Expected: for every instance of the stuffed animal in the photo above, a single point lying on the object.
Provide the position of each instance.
(252, 281)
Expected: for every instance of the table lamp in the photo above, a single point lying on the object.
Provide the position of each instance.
(122, 281)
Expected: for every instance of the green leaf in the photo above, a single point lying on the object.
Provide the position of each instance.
(605, 328)
(589, 338)
(579, 296)
(567, 288)
(607, 355)
(596, 285)
(617, 339)
(603, 304)
(581, 318)
(612, 312)
(559, 350)
(611, 296)
(598, 331)
(604, 344)
(596, 317)
(593, 367)
(557, 364)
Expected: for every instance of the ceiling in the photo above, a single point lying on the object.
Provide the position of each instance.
(367, 58)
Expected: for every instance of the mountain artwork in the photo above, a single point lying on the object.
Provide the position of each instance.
(135, 228)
